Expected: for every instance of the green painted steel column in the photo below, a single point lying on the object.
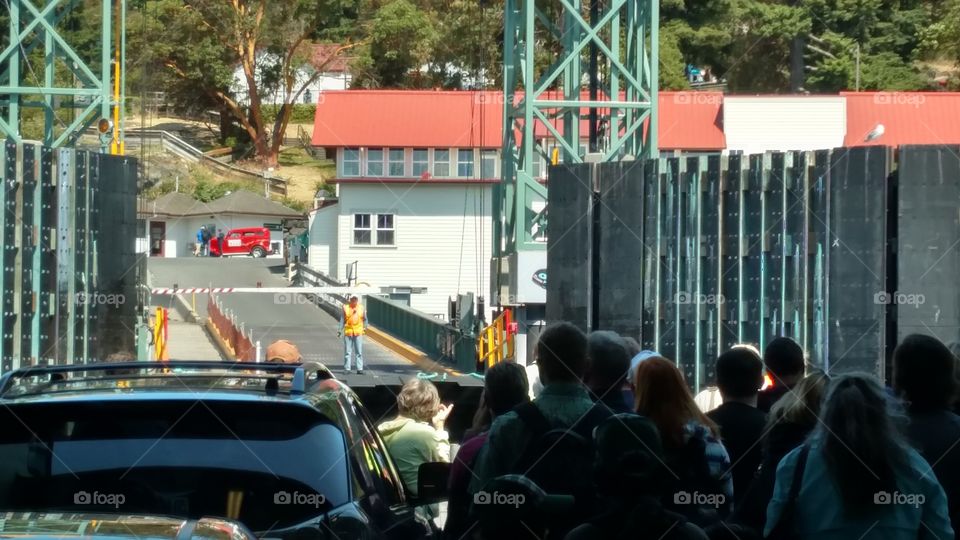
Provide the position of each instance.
(106, 59)
(13, 71)
(49, 68)
(652, 25)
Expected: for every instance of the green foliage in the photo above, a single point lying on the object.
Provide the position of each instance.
(192, 50)
(671, 61)
(206, 187)
(303, 113)
(401, 38)
(160, 189)
(296, 204)
(324, 189)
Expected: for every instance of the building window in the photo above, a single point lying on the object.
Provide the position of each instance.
(385, 230)
(421, 161)
(361, 229)
(375, 162)
(488, 164)
(396, 164)
(465, 163)
(441, 163)
(351, 162)
(374, 230)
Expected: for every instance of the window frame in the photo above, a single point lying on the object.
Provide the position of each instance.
(391, 162)
(392, 229)
(425, 162)
(358, 161)
(445, 163)
(373, 229)
(484, 154)
(368, 229)
(380, 162)
(471, 163)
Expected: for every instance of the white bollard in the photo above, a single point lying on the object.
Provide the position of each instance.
(259, 352)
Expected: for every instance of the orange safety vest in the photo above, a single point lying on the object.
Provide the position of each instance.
(353, 320)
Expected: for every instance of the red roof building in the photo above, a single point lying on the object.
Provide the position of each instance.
(905, 117)
(455, 136)
(688, 120)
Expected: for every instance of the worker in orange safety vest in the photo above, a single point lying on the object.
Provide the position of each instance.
(353, 324)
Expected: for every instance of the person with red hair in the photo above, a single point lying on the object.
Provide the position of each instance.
(698, 461)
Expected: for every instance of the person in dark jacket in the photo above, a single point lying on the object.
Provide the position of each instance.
(607, 372)
(789, 423)
(739, 377)
(924, 375)
(504, 387)
(784, 361)
(632, 478)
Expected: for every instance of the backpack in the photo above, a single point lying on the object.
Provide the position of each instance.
(558, 459)
(691, 475)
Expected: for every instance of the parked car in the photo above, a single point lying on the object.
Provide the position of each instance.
(285, 449)
(253, 241)
(55, 526)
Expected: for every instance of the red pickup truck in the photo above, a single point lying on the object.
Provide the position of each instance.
(253, 241)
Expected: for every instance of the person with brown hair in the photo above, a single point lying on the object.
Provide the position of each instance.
(703, 486)
(417, 435)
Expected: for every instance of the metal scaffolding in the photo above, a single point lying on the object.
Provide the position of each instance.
(602, 79)
(97, 90)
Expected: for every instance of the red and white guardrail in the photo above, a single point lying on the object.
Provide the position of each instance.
(267, 290)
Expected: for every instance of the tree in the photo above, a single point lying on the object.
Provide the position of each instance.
(401, 39)
(199, 43)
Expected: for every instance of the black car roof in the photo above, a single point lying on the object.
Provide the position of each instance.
(276, 381)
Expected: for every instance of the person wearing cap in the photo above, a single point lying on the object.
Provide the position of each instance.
(353, 325)
(283, 352)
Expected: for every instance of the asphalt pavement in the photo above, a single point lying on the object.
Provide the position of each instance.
(272, 317)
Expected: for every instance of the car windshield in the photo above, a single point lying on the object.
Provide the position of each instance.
(267, 465)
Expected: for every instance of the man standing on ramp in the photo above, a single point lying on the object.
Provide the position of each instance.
(353, 324)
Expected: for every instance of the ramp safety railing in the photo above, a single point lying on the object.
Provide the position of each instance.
(495, 343)
(231, 331)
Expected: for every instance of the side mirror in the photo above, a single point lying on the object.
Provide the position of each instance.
(432, 483)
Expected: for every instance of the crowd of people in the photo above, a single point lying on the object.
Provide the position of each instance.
(613, 444)
(208, 244)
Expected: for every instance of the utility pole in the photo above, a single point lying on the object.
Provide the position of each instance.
(858, 66)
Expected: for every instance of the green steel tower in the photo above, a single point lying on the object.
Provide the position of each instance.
(580, 79)
(96, 92)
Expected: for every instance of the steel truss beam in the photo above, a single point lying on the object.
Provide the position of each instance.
(623, 34)
(33, 24)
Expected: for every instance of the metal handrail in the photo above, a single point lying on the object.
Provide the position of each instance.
(186, 150)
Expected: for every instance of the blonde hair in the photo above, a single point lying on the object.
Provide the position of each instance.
(801, 404)
(419, 400)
